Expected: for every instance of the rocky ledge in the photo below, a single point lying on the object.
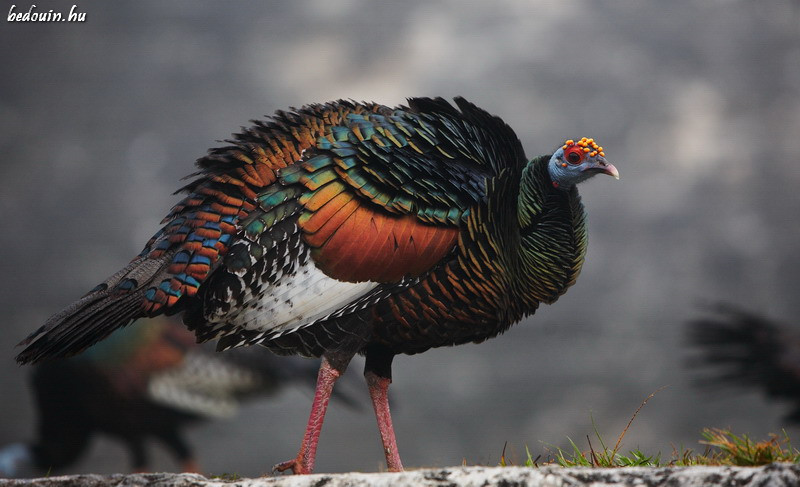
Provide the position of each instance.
(777, 475)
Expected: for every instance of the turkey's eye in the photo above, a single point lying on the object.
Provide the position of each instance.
(573, 158)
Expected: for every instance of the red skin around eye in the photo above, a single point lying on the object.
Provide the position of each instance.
(574, 149)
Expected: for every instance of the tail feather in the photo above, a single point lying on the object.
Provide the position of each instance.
(113, 304)
(745, 348)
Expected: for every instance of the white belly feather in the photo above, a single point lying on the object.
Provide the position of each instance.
(297, 300)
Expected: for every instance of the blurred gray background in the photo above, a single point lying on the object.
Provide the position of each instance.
(696, 102)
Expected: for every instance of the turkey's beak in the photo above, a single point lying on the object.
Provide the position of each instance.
(601, 165)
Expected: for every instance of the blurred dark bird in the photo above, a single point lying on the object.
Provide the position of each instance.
(348, 228)
(744, 349)
(147, 381)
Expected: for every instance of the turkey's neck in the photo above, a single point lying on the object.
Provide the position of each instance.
(533, 192)
(553, 234)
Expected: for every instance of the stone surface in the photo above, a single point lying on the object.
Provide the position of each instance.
(775, 475)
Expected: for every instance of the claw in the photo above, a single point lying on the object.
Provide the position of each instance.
(283, 466)
(297, 467)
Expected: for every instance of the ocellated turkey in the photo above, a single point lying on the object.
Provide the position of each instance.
(344, 228)
(147, 381)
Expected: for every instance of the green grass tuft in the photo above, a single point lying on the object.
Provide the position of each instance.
(227, 477)
(740, 450)
(723, 448)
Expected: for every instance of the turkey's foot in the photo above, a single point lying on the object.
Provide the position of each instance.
(190, 466)
(294, 464)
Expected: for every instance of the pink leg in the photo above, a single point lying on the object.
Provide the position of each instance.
(304, 463)
(378, 391)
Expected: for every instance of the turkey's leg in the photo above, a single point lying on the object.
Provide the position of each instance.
(138, 455)
(329, 371)
(180, 448)
(378, 372)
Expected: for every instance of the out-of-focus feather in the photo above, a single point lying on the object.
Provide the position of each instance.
(744, 349)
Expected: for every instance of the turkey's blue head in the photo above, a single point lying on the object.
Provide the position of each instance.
(577, 161)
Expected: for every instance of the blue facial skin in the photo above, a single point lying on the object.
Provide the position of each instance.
(565, 174)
